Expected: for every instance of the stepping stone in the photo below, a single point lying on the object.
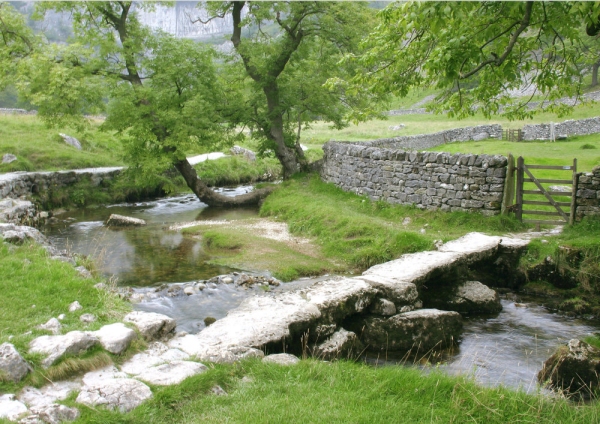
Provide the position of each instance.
(150, 324)
(172, 373)
(123, 394)
(115, 338)
(74, 342)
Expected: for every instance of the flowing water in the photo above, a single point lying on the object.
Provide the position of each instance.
(508, 348)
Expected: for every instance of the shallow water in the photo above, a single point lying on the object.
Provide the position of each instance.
(507, 349)
(149, 255)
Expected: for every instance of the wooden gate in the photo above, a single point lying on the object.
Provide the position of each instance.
(555, 200)
(512, 135)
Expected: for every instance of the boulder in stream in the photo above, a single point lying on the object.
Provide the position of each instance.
(421, 330)
(469, 297)
(573, 369)
(115, 220)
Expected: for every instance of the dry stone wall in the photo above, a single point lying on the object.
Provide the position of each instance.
(427, 141)
(563, 129)
(16, 185)
(432, 180)
(588, 194)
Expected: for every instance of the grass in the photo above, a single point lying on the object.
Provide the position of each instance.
(39, 148)
(36, 288)
(240, 247)
(363, 233)
(340, 392)
(321, 132)
(238, 170)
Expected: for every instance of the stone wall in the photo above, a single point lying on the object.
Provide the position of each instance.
(570, 127)
(19, 184)
(432, 180)
(427, 141)
(588, 194)
(11, 111)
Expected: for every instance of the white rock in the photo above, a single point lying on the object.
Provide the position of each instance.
(172, 373)
(189, 290)
(98, 376)
(87, 318)
(8, 158)
(12, 363)
(115, 338)
(53, 325)
(150, 324)
(75, 306)
(383, 307)
(49, 394)
(61, 317)
(218, 391)
(281, 359)
(54, 414)
(123, 394)
(10, 408)
(83, 272)
(71, 141)
(116, 220)
(74, 342)
(341, 345)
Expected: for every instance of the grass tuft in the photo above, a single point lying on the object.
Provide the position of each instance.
(71, 367)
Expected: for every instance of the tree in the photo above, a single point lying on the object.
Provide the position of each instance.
(477, 52)
(165, 94)
(295, 48)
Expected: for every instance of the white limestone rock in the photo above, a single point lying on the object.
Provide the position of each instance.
(115, 338)
(10, 408)
(53, 414)
(87, 318)
(53, 325)
(383, 307)
(49, 394)
(157, 353)
(12, 364)
(98, 376)
(342, 344)
(123, 394)
(115, 220)
(151, 325)
(75, 306)
(171, 373)
(74, 342)
(71, 141)
(8, 158)
(281, 359)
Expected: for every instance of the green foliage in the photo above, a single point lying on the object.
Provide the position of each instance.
(587, 146)
(237, 170)
(363, 233)
(476, 52)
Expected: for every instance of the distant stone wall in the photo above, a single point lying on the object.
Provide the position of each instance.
(427, 141)
(452, 182)
(10, 111)
(417, 111)
(588, 194)
(570, 127)
(17, 184)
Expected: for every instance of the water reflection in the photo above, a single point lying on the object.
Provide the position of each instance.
(150, 255)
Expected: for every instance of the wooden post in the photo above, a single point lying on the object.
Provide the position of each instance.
(509, 186)
(574, 194)
(519, 210)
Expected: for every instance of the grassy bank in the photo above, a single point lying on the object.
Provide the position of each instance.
(566, 269)
(362, 233)
(340, 392)
(39, 148)
(240, 244)
(36, 288)
(238, 170)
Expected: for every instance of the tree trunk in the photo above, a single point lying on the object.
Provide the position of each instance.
(292, 159)
(595, 67)
(211, 198)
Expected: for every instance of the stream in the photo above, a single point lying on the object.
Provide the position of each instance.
(507, 349)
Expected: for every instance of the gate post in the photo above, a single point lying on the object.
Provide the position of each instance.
(520, 172)
(574, 194)
(509, 186)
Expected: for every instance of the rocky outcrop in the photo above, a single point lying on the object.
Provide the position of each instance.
(12, 365)
(123, 394)
(241, 151)
(115, 338)
(284, 359)
(55, 347)
(151, 325)
(470, 297)
(573, 369)
(10, 408)
(8, 158)
(420, 330)
(341, 345)
(71, 141)
(115, 220)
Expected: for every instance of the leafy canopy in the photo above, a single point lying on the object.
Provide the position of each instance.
(478, 52)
